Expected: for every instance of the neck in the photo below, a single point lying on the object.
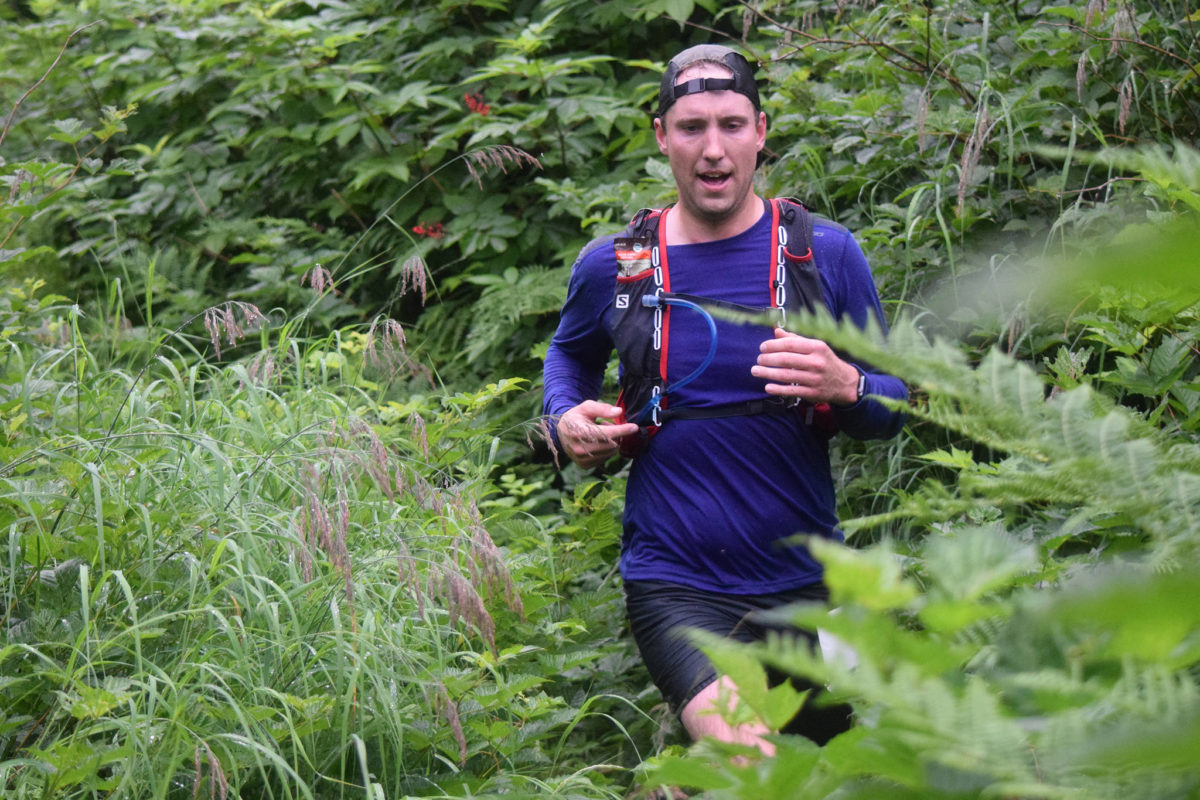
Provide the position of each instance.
(684, 227)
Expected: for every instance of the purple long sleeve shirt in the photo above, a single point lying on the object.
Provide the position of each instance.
(711, 503)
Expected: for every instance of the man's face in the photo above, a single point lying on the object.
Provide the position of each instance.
(712, 141)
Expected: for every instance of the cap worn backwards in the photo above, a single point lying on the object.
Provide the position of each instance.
(742, 81)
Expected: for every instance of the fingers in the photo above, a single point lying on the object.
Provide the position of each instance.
(797, 366)
(810, 392)
(590, 445)
(788, 342)
(790, 358)
(594, 410)
(587, 435)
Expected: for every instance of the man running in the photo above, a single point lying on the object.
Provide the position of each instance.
(730, 421)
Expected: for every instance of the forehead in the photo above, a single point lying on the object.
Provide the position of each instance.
(703, 69)
(725, 101)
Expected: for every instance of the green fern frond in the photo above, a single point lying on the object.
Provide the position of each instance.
(509, 298)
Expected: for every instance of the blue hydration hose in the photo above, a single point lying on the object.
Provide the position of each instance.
(654, 301)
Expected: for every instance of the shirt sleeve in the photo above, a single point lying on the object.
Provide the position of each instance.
(582, 344)
(856, 299)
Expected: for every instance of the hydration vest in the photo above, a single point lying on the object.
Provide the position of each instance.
(641, 322)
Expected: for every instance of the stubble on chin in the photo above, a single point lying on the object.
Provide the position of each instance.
(711, 209)
(717, 210)
(713, 216)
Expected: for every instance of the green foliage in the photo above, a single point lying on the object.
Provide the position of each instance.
(255, 142)
(274, 284)
(1042, 640)
(259, 579)
(917, 124)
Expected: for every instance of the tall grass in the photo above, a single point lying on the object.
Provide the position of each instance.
(222, 579)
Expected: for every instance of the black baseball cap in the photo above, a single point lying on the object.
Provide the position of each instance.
(742, 81)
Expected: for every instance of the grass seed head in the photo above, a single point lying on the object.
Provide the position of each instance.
(262, 369)
(1124, 103)
(416, 425)
(500, 156)
(318, 278)
(1124, 28)
(222, 322)
(544, 432)
(218, 783)
(463, 602)
(302, 552)
(492, 571)
(413, 276)
(447, 709)
(972, 151)
(384, 347)
(375, 460)
(410, 577)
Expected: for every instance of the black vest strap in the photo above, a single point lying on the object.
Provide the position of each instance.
(750, 407)
(640, 337)
(709, 302)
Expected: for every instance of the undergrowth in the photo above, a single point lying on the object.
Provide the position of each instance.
(272, 523)
(257, 578)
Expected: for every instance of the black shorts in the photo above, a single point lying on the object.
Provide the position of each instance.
(660, 614)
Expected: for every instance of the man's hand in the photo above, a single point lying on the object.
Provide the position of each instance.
(588, 437)
(796, 366)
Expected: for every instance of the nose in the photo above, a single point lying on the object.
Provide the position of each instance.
(714, 147)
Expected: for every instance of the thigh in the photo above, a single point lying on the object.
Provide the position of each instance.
(661, 614)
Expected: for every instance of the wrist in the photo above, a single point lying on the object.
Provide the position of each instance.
(856, 387)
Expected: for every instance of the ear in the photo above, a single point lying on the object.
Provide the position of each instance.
(760, 130)
(660, 135)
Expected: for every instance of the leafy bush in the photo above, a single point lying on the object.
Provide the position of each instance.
(275, 284)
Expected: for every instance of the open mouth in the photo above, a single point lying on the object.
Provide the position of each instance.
(714, 180)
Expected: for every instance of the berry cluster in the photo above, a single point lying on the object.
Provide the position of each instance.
(476, 105)
(433, 230)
